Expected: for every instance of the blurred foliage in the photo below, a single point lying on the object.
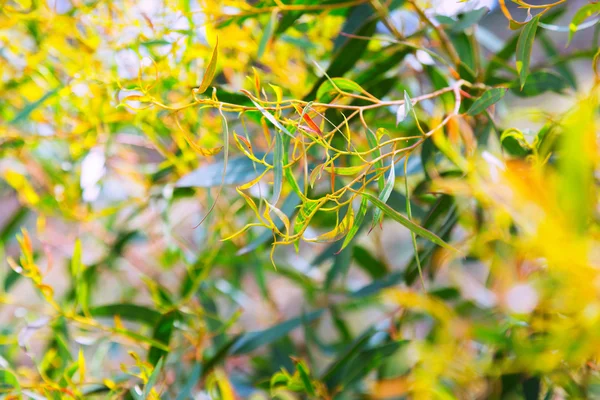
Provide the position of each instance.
(202, 199)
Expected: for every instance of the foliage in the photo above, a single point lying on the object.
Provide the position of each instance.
(296, 199)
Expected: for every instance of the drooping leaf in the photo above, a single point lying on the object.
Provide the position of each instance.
(358, 220)
(163, 330)
(210, 70)
(581, 15)
(384, 195)
(525, 47)
(406, 222)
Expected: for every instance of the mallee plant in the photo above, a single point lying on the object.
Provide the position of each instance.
(299, 199)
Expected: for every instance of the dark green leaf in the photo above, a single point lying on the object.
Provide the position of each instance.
(418, 230)
(251, 341)
(128, 312)
(163, 331)
(488, 99)
(524, 48)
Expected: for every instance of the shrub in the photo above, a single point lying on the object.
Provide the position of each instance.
(298, 199)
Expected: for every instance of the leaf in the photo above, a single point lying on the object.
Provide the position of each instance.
(330, 89)
(404, 109)
(153, 378)
(307, 211)
(563, 69)
(515, 143)
(251, 341)
(309, 121)
(8, 380)
(540, 82)
(339, 231)
(305, 377)
(210, 70)
(277, 168)
(375, 268)
(486, 100)
(583, 13)
(26, 112)
(384, 195)
(272, 119)
(347, 56)
(240, 170)
(468, 19)
(267, 35)
(186, 390)
(162, 334)
(358, 220)
(288, 208)
(129, 312)
(524, 48)
(407, 223)
(76, 265)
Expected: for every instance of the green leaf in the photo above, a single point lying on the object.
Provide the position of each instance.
(8, 381)
(272, 119)
(563, 68)
(358, 220)
(540, 82)
(407, 223)
(378, 285)
(251, 341)
(329, 89)
(24, 113)
(305, 377)
(126, 311)
(384, 195)
(515, 143)
(210, 70)
(163, 330)
(582, 14)
(267, 35)
(347, 56)
(488, 99)
(468, 19)
(277, 168)
(524, 48)
(76, 265)
(153, 378)
(240, 170)
(375, 268)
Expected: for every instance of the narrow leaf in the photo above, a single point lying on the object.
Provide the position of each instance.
(396, 216)
(524, 48)
(210, 70)
(488, 99)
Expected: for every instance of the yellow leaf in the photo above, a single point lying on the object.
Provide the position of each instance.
(210, 70)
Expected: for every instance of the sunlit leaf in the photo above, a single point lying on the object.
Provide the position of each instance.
(210, 70)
